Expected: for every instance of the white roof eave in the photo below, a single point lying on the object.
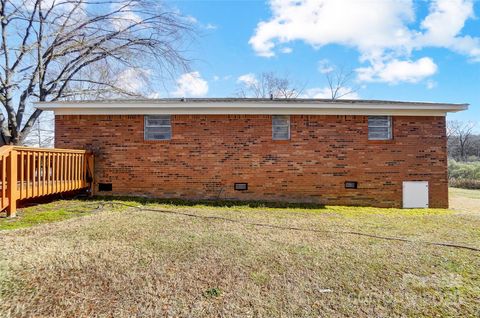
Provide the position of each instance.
(236, 108)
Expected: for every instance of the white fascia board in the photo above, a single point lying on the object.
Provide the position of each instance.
(183, 111)
(125, 108)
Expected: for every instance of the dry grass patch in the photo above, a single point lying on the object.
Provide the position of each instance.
(150, 264)
(465, 200)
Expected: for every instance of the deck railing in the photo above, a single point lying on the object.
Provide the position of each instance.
(36, 172)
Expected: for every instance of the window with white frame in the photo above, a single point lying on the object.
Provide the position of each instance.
(379, 127)
(280, 127)
(158, 127)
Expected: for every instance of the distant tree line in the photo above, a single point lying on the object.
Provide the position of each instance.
(464, 155)
(463, 141)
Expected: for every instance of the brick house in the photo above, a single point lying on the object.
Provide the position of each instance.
(344, 152)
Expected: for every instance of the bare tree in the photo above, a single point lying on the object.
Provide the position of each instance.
(42, 133)
(339, 81)
(459, 133)
(267, 85)
(63, 49)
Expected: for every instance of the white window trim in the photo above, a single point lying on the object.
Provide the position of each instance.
(390, 133)
(286, 125)
(145, 126)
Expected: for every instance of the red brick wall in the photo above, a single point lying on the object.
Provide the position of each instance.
(208, 154)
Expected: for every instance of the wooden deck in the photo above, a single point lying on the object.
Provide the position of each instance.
(38, 172)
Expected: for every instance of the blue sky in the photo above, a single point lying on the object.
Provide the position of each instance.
(399, 50)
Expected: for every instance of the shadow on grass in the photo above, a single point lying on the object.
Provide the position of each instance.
(212, 203)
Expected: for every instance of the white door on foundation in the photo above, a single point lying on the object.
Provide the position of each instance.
(415, 194)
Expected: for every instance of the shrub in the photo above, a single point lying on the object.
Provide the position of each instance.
(467, 170)
(464, 183)
(464, 174)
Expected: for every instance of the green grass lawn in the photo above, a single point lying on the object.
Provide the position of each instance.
(54, 212)
(46, 213)
(204, 261)
(465, 193)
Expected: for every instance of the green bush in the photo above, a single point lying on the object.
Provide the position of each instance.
(467, 170)
(464, 174)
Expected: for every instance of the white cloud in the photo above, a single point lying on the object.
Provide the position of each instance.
(455, 12)
(287, 50)
(133, 80)
(443, 25)
(325, 67)
(191, 85)
(191, 19)
(325, 92)
(57, 8)
(154, 95)
(396, 71)
(347, 22)
(247, 79)
(216, 78)
(210, 26)
(431, 84)
(381, 30)
(194, 21)
(125, 17)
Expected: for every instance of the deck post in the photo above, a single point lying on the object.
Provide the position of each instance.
(12, 187)
(91, 166)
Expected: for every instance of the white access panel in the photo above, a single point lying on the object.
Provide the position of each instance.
(415, 194)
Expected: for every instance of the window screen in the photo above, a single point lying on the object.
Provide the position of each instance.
(280, 127)
(379, 127)
(158, 127)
